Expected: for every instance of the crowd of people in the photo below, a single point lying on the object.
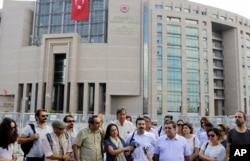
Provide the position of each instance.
(122, 140)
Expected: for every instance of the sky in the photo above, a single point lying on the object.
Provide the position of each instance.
(240, 7)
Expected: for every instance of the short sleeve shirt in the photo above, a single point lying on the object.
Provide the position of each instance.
(36, 150)
(90, 145)
(7, 154)
(65, 143)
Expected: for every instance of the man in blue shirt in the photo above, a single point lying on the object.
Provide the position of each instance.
(171, 147)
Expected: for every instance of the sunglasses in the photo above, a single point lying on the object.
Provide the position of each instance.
(44, 115)
(180, 124)
(69, 121)
(212, 135)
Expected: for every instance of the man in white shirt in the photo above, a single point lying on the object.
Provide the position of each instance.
(160, 129)
(57, 144)
(125, 127)
(142, 140)
(69, 120)
(41, 129)
(149, 128)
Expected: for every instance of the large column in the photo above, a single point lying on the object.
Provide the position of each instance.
(97, 99)
(86, 98)
(24, 100)
(73, 49)
(108, 104)
(33, 98)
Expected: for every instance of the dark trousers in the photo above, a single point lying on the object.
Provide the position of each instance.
(34, 159)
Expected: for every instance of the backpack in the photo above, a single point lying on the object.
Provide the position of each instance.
(27, 146)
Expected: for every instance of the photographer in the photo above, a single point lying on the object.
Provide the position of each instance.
(142, 140)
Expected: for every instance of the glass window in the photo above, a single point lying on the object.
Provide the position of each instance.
(174, 86)
(192, 53)
(193, 65)
(195, 11)
(193, 88)
(191, 21)
(159, 62)
(174, 101)
(174, 40)
(158, 7)
(177, 9)
(159, 28)
(159, 85)
(186, 10)
(192, 31)
(159, 74)
(159, 50)
(174, 51)
(159, 17)
(193, 76)
(192, 42)
(174, 63)
(173, 19)
(159, 39)
(173, 29)
(204, 43)
(169, 8)
(54, 17)
(174, 75)
(204, 33)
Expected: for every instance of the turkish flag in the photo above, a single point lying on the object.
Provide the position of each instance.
(79, 9)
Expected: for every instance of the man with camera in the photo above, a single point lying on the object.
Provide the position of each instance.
(142, 140)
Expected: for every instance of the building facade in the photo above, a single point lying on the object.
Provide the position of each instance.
(151, 57)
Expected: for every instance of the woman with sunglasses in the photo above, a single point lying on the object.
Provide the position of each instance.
(115, 145)
(8, 135)
(180, 123)
(212, 150)
(223, 128)
(192, 140)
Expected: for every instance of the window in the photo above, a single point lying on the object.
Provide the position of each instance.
(177, 9)
(173, 19)
(174, 86)
(192, 31)
(174, 63)
(172, 29)
(159, 17)
(169, 8)
(54, 17)
(203, 13)
(174, 40)
(192, 53)
(186, 10)
(192, 42)
(214, 15)
(193, 76)
(174, 75)
(193, 65)
(195, 12)
(191, 21)
(174, 51)
(158, 7)
(159, 28)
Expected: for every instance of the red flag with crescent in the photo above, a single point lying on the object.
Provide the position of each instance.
(79, 9)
